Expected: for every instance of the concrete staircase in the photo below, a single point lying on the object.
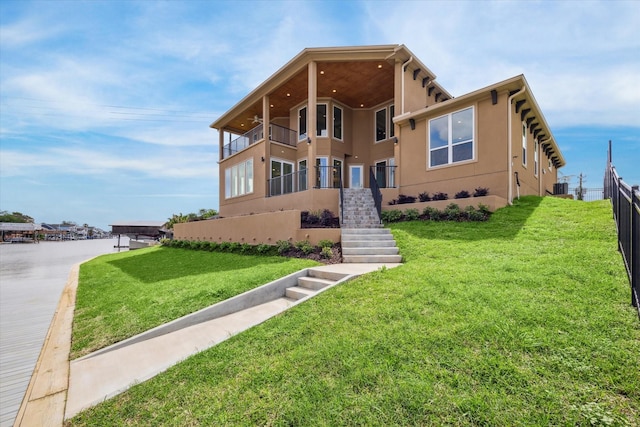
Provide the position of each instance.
(311, 284)
(363, 238)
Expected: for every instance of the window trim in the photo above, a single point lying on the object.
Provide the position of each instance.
(233, 181)
(375, 124)
(326, 120)
(450, 143)
(333, 119)
(391, 129)
(524, 144)
(536, 157)
(303, 136)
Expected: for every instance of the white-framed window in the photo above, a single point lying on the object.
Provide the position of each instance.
(302, 175)
(536, 148)
(238, 179)
(321, 120)
(322, 172)
(281, 181)
(302, 124)
(451, 138)
(381, 124)
(337, 122)
(524, 144)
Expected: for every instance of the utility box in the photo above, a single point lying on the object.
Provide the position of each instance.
(560, 188)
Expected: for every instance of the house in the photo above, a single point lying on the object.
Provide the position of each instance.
(369, 117)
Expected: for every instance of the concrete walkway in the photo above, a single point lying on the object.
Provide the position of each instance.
(60, 389)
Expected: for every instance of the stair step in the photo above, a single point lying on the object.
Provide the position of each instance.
(296, 292)
(314, 283)
(329, 275)
(368, 243)
(365, 231)
(370, 251)
(371, 258)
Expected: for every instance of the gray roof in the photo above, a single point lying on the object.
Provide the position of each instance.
(158, 224)
(19, 226)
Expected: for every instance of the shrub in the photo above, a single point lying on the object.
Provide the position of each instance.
(224, 246)
(480, 191)
(327, 218)
(411, 214)
(325, 244)
(234, 247)
(312, 218)
(304, 246)
(246, 248)
(424, 197)
(391, 216)
(462, 194)
(440, 196)
(452, 212)
(431, 213)
(326, 252)
(402, 199)
(393, 202)
(283, 246)
(165, 242)
(213, 246)
(263, 249)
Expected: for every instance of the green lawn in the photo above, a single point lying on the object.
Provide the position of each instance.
(122, 295)
(522, 320)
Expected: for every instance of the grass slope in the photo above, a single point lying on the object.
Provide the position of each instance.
(522, 320)
(122, 295)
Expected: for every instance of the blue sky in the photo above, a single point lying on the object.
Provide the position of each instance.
(105, 106)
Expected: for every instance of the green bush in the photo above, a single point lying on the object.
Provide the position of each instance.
(325, 243)
(411, 214)
(431, 213)
(263, 249)
(392, 215)
(283, 246)
(305, 247)
(246, 248)
(452, 212)
(326, 252)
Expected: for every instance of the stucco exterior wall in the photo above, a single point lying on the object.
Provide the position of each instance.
(265, 228)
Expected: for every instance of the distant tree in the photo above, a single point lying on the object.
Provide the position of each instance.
(14, 217)
(68, 223)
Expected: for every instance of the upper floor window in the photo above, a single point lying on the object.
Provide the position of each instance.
(321, 120)
(451, 138)
(381, 124)
(524, 144)
(535, 157)
(302, 123)
(337, 122)
(392, 112)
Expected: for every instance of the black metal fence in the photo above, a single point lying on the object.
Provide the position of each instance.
(625, 201)
(587, 194)
(277, 133)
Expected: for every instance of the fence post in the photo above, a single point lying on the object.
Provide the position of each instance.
(634, 258)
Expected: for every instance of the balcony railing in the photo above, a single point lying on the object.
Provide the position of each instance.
(277, 133)
(328, 177)
(385, 176)
(286, 184)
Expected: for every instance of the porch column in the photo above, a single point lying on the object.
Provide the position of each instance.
(221, 143)
(267, 143)
(312, 99)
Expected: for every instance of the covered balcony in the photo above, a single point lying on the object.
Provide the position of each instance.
(277, 133)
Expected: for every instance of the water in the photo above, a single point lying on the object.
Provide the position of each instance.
(32, 277)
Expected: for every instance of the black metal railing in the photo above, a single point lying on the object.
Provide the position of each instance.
(375, 192)
(586, 194)
(277, 133)
(625, 201)
(328, 177)
(385, 176)
(287, 184)
(341, 202)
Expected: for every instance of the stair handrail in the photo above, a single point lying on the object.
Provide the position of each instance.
(375, 192)
(341, 202)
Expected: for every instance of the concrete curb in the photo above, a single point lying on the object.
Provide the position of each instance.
(46, 396)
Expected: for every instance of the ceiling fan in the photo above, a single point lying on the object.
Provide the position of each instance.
(255, 119)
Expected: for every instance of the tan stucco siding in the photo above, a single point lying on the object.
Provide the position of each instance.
(489, 168)
(311, 200)
(265, 228)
